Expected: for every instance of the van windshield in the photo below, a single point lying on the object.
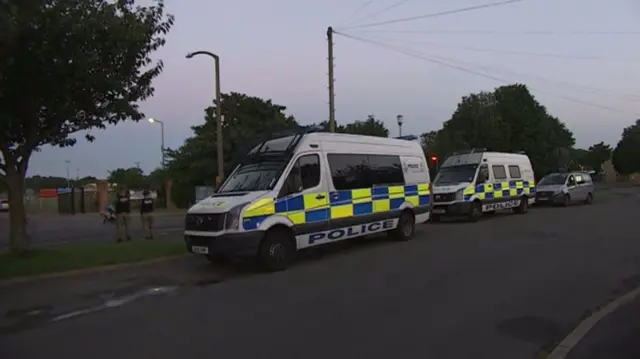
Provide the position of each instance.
(260, 175)
(553, 179)
(455, 174)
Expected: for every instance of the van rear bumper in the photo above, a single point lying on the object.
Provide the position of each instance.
(451, 209)
(230, 244)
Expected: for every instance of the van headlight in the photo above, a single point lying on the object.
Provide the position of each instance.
(459, 194)
(232, 219)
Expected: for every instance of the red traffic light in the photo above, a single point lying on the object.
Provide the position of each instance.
(434, 158)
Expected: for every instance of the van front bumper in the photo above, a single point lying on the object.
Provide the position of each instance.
(549, 198)
(451, 209)
(228, 244)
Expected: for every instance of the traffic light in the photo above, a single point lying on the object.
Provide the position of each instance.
(434, 158)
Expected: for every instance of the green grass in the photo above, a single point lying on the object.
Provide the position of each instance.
(68, 257)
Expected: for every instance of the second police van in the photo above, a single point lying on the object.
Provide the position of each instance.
(308, 189)
(475, 182)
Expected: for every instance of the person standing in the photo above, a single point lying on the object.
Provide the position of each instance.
(123, 215)
(146, 214)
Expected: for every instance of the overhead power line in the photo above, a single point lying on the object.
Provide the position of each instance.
(504, 33)
(383, 10)
(442, 13)
(519, 53)
(357, 12)
(630, 97)
(474, 72)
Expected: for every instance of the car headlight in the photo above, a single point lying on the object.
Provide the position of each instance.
(459, 194)
(232, 219)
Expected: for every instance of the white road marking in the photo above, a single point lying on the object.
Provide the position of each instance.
(563, 349)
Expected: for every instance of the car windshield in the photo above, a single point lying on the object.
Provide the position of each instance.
(455, 174)
(256, 176)
(553, 179)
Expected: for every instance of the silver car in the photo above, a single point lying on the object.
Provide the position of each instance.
(565, 189)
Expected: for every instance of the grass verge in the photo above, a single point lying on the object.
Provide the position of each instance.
(69, 257)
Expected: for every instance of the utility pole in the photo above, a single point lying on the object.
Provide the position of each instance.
(68, 162)
(332, 95)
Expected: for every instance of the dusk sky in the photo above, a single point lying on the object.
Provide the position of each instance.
(277, 49)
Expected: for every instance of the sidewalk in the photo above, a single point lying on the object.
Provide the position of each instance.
(27, 305)
(616, 336)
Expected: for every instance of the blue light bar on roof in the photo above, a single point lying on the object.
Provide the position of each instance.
(407, 137)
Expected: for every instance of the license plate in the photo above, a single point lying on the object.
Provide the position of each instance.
(542, 198)
(438, 211)
(200, 249)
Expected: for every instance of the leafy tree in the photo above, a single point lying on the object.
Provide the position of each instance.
(157, 178)
(132, 178)
(508, 119)
(370, 127)
(626, 156)
(248, 120)
(428, 142)
(68, 66)
(578, 158)
(596, 155)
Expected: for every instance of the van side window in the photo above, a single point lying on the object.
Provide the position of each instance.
(304, 174)
(349, 171)
(309, 170)
(514, 172)
(499, 172)
(483, 174)
(386, 170)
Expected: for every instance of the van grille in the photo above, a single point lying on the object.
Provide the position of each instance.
(204, 222)
(444, 197)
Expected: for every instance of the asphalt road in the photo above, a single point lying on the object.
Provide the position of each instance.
(50, 229)
(506, 287)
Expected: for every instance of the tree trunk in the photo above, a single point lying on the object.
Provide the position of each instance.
(19, 239)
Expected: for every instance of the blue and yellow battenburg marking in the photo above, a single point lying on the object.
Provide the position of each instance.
(500, 190)
(323, 206)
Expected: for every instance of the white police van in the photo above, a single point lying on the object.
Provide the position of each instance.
(474, 182)
(308, 189)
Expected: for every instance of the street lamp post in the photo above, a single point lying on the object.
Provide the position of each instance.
(400, 121)
(219, 149)
(153, 120)
(68, 162)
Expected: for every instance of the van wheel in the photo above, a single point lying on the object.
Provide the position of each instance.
(589, 199)
(566, 201)
(523, 207)
(276, 250)
(406, 227)
(475, 212)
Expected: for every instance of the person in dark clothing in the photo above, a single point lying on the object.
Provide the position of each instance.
(123, 215)
(146, 214)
